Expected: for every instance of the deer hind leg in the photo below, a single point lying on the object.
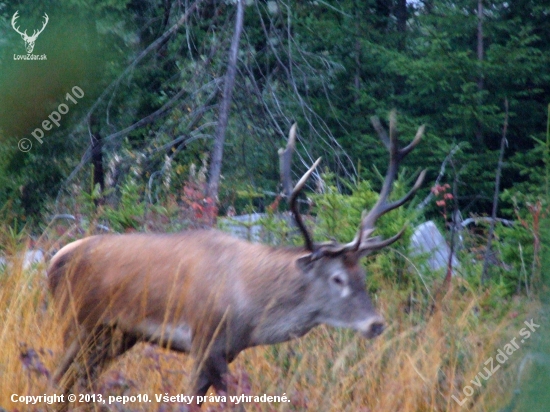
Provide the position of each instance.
(89, 353)
(60, 376)
(83, 359)
(106, 344)
(67, 372)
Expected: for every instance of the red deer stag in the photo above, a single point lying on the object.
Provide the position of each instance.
(211, 295)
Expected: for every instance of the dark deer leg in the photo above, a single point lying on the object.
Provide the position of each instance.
(65, 376)
(69, 357)
(211, 372)
(107, 344)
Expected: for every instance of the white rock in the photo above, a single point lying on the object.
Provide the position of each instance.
(428, 240)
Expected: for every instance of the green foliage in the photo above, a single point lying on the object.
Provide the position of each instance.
(338, 217)
(328, 66)
(249, 195)
(522, 244)
(525, 246)
(130, 211)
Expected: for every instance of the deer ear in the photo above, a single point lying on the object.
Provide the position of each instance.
(305, 263)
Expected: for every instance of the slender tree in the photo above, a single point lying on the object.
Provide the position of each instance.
(480, 53)
(503, 142)
(225, 105)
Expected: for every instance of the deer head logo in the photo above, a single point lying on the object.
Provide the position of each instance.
(29, 40)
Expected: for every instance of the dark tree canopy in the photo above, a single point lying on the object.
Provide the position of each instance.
(153, 73)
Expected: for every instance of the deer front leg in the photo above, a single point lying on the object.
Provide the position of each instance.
(210, 372)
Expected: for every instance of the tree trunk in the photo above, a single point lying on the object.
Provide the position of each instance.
(357, 56)
(225, 105)
(480, 50)
(97, 156)
(428, 6)
(382, 13)
(401, 15)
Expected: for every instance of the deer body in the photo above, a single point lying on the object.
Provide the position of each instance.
(203, 289)
(211, 295)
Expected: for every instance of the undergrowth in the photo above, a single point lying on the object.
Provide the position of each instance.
(432, 349)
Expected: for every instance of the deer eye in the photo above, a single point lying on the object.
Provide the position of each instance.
(338, 280)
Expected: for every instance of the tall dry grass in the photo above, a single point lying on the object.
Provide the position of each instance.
(427, 354)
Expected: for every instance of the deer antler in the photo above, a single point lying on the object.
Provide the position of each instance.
(362, 243)
(284, 161)
(382, 206)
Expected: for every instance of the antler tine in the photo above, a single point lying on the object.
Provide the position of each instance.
(374, 244)
(419, 133)
(293, 205)
(285, 157)
(382, 206)
(408, 196)
(46, 20)
(381, 131)
(35, 33)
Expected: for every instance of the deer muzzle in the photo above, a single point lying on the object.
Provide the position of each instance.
(372, 327)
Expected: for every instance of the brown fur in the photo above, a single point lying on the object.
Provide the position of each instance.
(202, 292)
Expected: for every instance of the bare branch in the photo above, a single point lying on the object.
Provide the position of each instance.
(429, 198)
(285, 157)
(503, 143)
(476, 220)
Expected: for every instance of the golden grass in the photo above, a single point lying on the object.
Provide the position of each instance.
(416, 365)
